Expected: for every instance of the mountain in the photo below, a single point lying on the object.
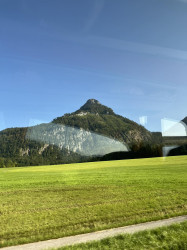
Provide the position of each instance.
(92, 130)
(95, 117)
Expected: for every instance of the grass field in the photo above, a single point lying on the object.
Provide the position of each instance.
(38, 203)
(165, 238)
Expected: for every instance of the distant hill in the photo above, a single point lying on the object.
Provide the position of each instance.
(92, 130)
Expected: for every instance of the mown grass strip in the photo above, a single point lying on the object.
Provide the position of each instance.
(173, 237)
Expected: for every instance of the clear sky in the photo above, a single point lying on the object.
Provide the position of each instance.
(131, 55)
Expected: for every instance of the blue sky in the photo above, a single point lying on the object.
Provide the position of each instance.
(56, 54)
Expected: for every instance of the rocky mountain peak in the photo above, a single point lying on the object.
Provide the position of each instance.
(95, 107)
(92, 101)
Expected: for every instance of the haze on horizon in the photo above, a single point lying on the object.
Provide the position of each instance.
(129, 55)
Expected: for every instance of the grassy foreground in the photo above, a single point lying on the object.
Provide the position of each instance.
(39, 203)
(169, 238)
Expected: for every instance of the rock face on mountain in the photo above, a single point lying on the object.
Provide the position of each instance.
(77, 140)
(15, 145)
(92, 130)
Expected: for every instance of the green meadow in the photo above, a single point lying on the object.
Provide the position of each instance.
(44, 202)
